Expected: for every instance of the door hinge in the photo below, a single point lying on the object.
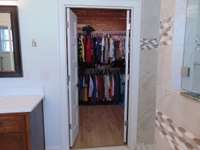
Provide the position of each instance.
(68, 79)
(126, 123)
(70, 126)
(128, 77)
(67, 24)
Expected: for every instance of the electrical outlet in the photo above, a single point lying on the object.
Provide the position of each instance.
(185, 72)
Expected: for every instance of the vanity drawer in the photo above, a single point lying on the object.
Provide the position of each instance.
(12, 123)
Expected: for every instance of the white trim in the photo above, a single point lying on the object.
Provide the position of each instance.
(63, 78)
(9, 2)
(128, 28)
(135, 6)
(117, 4)
(134, 75)
(178, 43)
(53, 148)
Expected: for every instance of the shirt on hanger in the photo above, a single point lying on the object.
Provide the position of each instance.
(91, 87)
(106, 87)
(111, 49)
(102, 49)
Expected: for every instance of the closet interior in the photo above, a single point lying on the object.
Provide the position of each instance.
(101, 46)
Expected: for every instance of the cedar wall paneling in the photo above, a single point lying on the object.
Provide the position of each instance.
(102, 19)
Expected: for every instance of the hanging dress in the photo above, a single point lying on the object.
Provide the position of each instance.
(89, 49)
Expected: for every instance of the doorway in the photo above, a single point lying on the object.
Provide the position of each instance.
(98, 42)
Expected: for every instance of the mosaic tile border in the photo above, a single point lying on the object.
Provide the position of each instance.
(166, 31)
(166, 36)
(178, 137)
(148, 44)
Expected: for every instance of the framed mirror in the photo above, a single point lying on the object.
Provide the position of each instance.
(10, 52)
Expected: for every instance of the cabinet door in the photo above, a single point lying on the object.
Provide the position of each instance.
(12, 141)
(191, 79)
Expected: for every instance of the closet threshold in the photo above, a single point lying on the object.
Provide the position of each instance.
(99, 103)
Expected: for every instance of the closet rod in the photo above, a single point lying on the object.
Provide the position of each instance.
(101, 71)
(106, 33)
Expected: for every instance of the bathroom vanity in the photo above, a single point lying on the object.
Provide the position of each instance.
(21, 123)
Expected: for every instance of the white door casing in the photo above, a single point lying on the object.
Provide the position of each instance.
(72, 75)
(135, 7)
(128, 27)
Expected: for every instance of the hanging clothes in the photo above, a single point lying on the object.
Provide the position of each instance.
(89, 49)
(85, 90)
(102, 49)
(81, 49)
(113, 86)
(117, 87)
(106, 87)
(118, 52)
(91, 87)
(97, 49)
(122, 48)
(101, 89)
(122, 85)
(111, 50)
(107, 45)
(94, 91)
(99, 52)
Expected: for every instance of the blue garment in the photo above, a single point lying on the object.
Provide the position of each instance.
(80, 86)
(97, 49)
(117, 88)
(122, 85)
(94, 96)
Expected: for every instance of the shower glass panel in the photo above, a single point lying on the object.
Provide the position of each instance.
(191, 62)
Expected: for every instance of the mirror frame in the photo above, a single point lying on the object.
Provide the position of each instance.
(18, 72)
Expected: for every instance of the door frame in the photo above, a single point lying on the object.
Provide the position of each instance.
(135, 7)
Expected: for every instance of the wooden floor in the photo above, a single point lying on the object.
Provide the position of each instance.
(100, 126)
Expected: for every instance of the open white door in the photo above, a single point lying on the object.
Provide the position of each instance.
(72, 75)
(128, 27)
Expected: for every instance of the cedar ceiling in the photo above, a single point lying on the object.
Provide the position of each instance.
(101, 19)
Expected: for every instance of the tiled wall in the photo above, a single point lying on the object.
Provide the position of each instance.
(178, 117)
(148, 69)
(177, 137)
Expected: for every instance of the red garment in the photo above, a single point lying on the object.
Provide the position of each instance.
(89, 50)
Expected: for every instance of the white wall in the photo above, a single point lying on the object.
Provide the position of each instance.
(39, 21)
(41, 65)
(148, 67)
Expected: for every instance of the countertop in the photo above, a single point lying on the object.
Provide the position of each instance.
(19, 104)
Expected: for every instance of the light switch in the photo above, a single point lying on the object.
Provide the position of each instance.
(34, 43)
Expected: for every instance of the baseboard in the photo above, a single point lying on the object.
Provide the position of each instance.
(145, 147)
(53, 148)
